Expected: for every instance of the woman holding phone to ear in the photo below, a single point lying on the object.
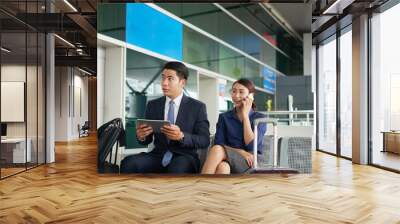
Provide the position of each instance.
(233, 146)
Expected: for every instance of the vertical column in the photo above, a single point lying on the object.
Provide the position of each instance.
(100, 85)
(314, 92)
(338, 95)
(50, 99)
(307, 53)
(360, 90)
(309, 69)
(114, 84)
(208, 93)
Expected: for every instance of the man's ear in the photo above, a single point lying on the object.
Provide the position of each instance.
(183, 82)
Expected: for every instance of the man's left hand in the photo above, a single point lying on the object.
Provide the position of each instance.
(172, 132)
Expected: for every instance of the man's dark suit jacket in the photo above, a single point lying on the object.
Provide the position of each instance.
(193, 122)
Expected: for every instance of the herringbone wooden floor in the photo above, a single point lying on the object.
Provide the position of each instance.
(70, 191)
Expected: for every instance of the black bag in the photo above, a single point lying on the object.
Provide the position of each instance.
(109, 134)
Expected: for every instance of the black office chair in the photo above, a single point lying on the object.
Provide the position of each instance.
(84, 130)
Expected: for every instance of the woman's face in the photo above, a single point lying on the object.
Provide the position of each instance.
(238, 93)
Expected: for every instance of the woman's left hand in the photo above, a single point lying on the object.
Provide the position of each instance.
(248, 157)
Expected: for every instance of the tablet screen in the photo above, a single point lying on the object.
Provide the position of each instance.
(155, 124)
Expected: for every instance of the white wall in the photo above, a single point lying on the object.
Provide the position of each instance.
(71, 87)
(79, 117)
(13, 73)
(33, 127)
(61, 103)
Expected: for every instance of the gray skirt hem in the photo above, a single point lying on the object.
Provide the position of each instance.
(236, 161)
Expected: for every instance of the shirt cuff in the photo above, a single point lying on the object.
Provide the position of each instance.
(250, 147)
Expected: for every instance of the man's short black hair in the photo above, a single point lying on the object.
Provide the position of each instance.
(181, 70)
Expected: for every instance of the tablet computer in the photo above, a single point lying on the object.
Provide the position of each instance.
(155, 124)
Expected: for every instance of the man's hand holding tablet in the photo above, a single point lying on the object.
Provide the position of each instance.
(173, 132)
(145, 127)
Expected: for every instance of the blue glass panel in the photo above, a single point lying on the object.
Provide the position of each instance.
(152, 30)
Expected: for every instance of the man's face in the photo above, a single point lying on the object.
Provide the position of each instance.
(171, 85)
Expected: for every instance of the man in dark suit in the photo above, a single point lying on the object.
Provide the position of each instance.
(175, 148)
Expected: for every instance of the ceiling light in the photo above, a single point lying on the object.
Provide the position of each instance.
(338, 6)
(86, 72)
(5, 50)
(65, 41)
(331, 7)
(70, 5)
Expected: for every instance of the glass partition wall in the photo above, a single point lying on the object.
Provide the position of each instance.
(335, 112)
(385, 90)
(22, 87)
(327, 95)
(334, 95)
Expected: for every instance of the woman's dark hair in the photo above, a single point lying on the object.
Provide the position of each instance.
(249, 85)
(181, 70)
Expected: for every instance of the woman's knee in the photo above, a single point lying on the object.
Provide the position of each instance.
(217, 152)
(223, 168)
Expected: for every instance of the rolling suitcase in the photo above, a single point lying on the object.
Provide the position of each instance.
(109, 134)
(274, 168)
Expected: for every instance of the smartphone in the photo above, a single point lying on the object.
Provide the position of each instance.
(250, 96)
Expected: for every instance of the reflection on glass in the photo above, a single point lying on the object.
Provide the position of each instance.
(200, 50)
(327, 96)
(260, 99)
(230, 63)
(142, 84)
(111, 20)
(214, 21)
(191, 87)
